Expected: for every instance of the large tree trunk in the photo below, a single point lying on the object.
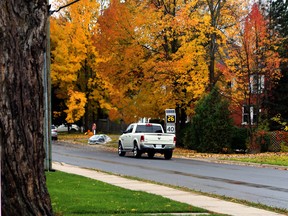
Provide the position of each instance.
(22, 46)
(215, 8)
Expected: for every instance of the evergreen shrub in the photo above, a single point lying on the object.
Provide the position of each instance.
(211, 127)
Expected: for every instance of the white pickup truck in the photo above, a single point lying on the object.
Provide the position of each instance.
(147, 138)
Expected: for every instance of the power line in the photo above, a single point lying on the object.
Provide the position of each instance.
(60, 8)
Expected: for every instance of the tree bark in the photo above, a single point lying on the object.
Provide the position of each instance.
(22, 47)
(215, 8)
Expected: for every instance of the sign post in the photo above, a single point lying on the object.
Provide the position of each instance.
(170, 121)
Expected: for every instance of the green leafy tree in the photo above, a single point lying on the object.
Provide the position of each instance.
(211, 127)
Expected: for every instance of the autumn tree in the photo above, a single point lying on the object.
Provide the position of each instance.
(215, 9)
(157, 52)
(178, 64)
(160, 49)
(73, 57)
(121, 68)
(255, 65)
(123, 43)
(192, 41)
(22, 47)
(225, 17)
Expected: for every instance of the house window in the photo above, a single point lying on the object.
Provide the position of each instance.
(257, 83)
(249, 111)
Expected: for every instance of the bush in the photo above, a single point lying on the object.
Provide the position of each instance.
(190, 139)
(284, 147)
(261, 141)
(269, 141)
(279, 141)
(264, 140)
(181, 137)
(211, 126)
(239, 139)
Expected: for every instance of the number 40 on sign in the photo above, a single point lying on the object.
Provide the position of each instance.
(170, 129)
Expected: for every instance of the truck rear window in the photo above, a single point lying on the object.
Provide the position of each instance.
(148, 129)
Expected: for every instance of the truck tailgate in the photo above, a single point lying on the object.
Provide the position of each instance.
(159, 138)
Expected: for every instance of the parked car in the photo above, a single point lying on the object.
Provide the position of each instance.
(64, 128)
(54, 133)
(99, 139)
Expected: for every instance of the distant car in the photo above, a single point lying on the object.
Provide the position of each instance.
(99, 139)
(54, 133)
(64, 128)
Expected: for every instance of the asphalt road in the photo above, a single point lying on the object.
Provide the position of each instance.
(267, 186)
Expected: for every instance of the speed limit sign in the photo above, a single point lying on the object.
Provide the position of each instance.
(170, 128)
(170, 121)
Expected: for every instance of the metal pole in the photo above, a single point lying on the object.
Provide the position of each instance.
(46, 114)
(47, 101)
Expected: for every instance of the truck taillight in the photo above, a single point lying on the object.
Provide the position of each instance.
(175, 139)
(142, 138)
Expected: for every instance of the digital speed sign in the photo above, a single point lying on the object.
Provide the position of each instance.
(170, 121)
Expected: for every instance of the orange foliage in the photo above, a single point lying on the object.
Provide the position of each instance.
(154, 56)
(147, 56)
(253, 53)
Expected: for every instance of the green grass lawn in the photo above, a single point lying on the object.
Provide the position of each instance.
(76, 195)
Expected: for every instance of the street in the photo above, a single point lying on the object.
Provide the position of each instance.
(267, 186)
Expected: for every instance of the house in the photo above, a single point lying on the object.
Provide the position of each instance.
(247, 111)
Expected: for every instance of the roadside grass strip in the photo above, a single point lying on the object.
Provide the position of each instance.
(74, 195)
(280, 158)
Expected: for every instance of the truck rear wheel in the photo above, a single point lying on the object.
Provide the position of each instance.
(168, 155)
(136, 152)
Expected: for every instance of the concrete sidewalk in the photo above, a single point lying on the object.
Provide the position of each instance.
(208, 203)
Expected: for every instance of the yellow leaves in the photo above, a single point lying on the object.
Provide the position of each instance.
(114, 114)
(280, 121)
(104, 105)
(72, 39)
(76, 106)
(74, 56)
